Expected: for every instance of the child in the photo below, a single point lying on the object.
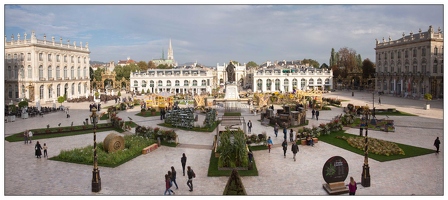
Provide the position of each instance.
(45, 150)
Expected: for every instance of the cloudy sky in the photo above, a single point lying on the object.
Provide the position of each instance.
(212, 34)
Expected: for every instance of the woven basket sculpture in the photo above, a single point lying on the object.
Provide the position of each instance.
(113, 142)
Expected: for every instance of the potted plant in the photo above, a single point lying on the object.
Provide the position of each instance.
(427, 97)
(153, 111)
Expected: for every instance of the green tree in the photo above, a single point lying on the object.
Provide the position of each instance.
(61, 99)
(125, 71)
(324, 66)
(142, 65)
(333, 57)
(97, 73)
(151, 65)
(358, 60)
(91, 73)
(251, 64)
(368, 69)
(235, 62)
(427, 97)
(311, 62)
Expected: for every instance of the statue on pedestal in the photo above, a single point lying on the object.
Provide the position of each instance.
(230, 72)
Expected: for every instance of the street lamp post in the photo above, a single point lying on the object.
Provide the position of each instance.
(96, 180)
(365, 176)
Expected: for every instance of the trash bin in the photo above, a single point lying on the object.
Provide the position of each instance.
(159, 143)
(360, 131)
(87, 121)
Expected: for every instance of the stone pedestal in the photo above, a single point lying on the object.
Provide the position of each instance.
(335, 188)
(231, 92)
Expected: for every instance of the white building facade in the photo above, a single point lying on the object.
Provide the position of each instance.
(41, 70)
(412, 65)
(286, 80)
(240, 74)
(177, 81)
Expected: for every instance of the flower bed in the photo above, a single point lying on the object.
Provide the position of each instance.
(376, 146)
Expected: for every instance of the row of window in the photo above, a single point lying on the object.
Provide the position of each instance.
(406, 53)
(294, 81)
(382, 85)
(50, 56)
(49, 90)
(414, 68)
(14, 73)
(176, 83)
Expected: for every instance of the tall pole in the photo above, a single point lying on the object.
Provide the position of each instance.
(365, 176)
(96, 180)
(373, 102)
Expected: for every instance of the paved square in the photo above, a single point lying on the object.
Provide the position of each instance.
(423, 175)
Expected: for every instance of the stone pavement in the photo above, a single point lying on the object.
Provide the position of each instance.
(423, 175)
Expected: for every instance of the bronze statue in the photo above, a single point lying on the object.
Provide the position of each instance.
(230, 72)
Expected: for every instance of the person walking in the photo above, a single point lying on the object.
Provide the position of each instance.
(285, 130)
(437, 144)
(294, 149)
(170, 177)
(269, 144)
(276, 127)
(30, 136)
(45, 150)
(249, 126)
(285, 147)
(183, 160)
(312, 113)
(25, 136)
(38, 151)
(167, 185)
(379, 100)
(352, 186)
(317, 115)
(291, 135)
(191, 175)
(173, 176)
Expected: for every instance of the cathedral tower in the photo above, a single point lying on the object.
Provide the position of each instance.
(170, 52)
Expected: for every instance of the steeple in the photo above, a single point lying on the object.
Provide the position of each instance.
(170, 52)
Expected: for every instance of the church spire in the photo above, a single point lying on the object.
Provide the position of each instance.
(170, 52)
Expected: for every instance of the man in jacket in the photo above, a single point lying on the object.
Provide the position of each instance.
(294, 149)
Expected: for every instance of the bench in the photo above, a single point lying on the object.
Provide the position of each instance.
(150, 148)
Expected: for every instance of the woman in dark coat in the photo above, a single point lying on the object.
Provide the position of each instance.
(38, 150)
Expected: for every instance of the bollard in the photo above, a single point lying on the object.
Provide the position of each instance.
(353, 93)
(159, 143)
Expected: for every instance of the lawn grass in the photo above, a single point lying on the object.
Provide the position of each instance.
(258, 147)
(213, 168)
(396, 113)
(78, 130)
(232, 114)
(168, 144)
(197, 129)
(133, 148)
(147, 114)
(410, 151)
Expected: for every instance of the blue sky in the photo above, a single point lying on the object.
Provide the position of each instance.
(212, 34)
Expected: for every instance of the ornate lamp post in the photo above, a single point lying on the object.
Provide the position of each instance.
(365, 176)
(96, 180)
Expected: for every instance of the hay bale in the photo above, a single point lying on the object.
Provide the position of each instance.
(113, 142)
